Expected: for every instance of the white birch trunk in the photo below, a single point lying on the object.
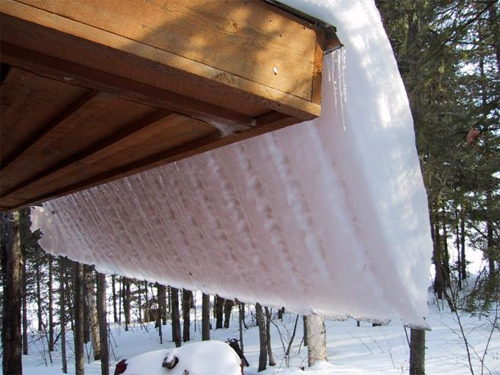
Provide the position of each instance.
(93, 318)
(316, 339)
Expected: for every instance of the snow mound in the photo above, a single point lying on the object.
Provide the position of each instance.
(328, 216)
(200, 358)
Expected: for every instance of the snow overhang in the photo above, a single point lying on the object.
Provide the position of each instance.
(328, 216)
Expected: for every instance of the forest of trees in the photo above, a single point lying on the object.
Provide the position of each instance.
(448, 52)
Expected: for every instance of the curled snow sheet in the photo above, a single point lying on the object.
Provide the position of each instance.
(327, 216)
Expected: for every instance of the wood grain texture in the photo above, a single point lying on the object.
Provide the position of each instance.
(47, 134)
(99, 49)
(28, 103)
(247, 38)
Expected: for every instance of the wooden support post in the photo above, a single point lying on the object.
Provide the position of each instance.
(11, 317)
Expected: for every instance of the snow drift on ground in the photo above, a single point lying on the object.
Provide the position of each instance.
(200, 358)
(328, 216)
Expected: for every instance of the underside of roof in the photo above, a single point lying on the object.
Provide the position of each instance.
(93, 91)
(326, 216)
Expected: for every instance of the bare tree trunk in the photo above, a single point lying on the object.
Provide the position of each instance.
(86, 308)
(51, 309)
(39, 311)
(93, 317)
(139, 300)
(159, 312)
(457, 244)
(241, 320)
(446, 253)
(162, 303)
(205, 317)
(120, 299)
(12, 299)
(113, 291)
(462, 243)
(439, 284)
(78, 306)
(219, 312)
(280, 313)
(126, 301)
(25, 307)
(305, 329)
(491, 249)
(176, 324)
(272, 362)
(187, 300)
(62, 313)
(228, 307)
(146, 302)
(169, 305)
(261, 321)
(316, 339)
(103, 324)
(417, 352)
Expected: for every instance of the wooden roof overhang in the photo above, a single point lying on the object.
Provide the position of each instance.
(95, 90)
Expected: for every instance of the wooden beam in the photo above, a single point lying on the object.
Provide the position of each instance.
(193, 30)
(318, 69)
(79, 75)
(275, 119)
(144, 60)
(90, 153)
(270, 121)
(53, 129)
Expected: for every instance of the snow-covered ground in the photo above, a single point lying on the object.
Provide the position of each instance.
(351, 349)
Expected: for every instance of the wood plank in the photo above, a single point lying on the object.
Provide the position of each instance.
(317, 69)
(96, 152)
(169, 132)
(27, 103)
(97, 49)
(210, 33)
(271, 121)
(164, 134)
(49, 132)
(100, 118)
(79, 75)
